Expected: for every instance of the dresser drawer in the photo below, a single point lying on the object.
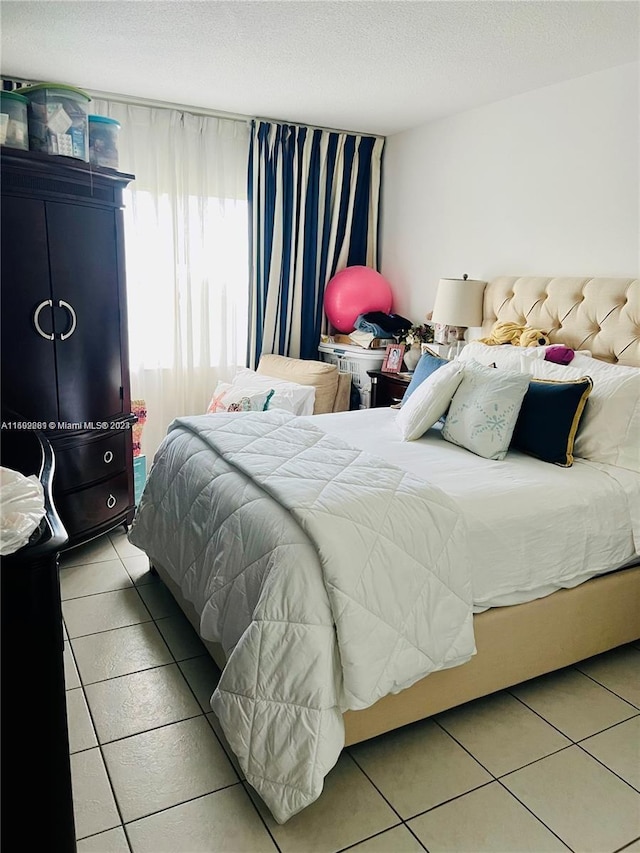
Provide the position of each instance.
(94, 505)
(89, 461)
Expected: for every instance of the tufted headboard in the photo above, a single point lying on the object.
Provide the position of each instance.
(598, 314)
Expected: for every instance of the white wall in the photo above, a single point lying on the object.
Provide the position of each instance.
(545, 183)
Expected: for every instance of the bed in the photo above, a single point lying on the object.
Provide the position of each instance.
(348, 583)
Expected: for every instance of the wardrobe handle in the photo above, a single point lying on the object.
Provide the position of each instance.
(36, 320)
(108, 457)
(72, 328)
(111, 501)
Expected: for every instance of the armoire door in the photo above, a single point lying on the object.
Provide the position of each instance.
(84, 284)
(28, 352)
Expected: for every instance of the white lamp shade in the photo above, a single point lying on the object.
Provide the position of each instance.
(459, 302)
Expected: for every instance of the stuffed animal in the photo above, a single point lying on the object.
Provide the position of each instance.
(533, 338)
(515, 334)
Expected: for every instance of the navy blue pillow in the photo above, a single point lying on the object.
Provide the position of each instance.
(549, 419)
(425, 367)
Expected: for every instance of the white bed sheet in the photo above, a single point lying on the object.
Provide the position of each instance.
(534, 528)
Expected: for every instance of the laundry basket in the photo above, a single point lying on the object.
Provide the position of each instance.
(356, 361)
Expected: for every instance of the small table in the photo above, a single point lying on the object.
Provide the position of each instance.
(387, 389)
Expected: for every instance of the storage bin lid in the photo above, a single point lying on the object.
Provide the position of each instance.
(12, 96)
(39, 87)
(354, 351)
(104, 120)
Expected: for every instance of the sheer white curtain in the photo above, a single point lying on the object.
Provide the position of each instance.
(186, 256)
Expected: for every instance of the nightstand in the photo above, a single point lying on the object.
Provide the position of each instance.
(387, 389)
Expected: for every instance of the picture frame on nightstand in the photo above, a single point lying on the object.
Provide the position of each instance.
(393, 358)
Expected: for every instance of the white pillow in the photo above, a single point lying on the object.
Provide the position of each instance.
(504, 356)
(484, 410)
(230, 398)
(429, 401)
(609, 430)
(290, 396)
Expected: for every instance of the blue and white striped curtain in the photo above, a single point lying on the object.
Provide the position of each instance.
(313, 210)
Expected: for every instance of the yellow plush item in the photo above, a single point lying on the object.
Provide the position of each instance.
(533, 338)
(515, 334)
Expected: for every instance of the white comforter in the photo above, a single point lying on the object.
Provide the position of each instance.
(532, 527)
(330, 577)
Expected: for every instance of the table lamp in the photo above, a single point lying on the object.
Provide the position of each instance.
(459, 304)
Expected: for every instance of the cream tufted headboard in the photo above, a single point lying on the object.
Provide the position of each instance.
(598, 314)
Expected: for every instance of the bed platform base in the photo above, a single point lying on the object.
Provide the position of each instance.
(513, 644)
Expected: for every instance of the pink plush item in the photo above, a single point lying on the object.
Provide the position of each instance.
(559, 354)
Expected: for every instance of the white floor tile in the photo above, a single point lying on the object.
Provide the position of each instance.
(159, 600)
(81, 733)
(501, 733)
(181, 638)
(139, 702)
(138, 569)
(217, 728)
(120, 652)
(122, 545)
(619, 670)
(93, 804)
(574, 703)
(103, 612)
(71, 677)
(91, 578)
(348, 810)
(418, 767)
(167, 766)
(397, 840)
(202, 675)
(619, 749)
(112, 841)
(224, 822)
(488, 820)
(96, 551)
(588, 807)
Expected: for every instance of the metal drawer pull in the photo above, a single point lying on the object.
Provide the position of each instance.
(108, 457)
(36, 320)
(74, 319)
(111, 501)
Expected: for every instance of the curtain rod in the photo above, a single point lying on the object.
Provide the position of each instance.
(205, 111)
(168, 105)
(199, 111)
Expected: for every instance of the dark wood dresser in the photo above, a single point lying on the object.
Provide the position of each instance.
(35, 768)
(64, 331)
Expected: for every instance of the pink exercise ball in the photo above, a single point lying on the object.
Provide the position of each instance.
(354, 291)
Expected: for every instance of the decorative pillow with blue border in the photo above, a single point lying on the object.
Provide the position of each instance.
(484, 410)
(549, 419)
(424, 368)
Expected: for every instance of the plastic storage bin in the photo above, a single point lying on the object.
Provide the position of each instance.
(58, 119)
(13, 122)
(356, 361)
(139, 477)
(103, 141)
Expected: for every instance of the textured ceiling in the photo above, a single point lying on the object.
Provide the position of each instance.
(377, 67)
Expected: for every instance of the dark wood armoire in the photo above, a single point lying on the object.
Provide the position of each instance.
(64, 331)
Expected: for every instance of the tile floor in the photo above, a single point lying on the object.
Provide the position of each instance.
(553, 764)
